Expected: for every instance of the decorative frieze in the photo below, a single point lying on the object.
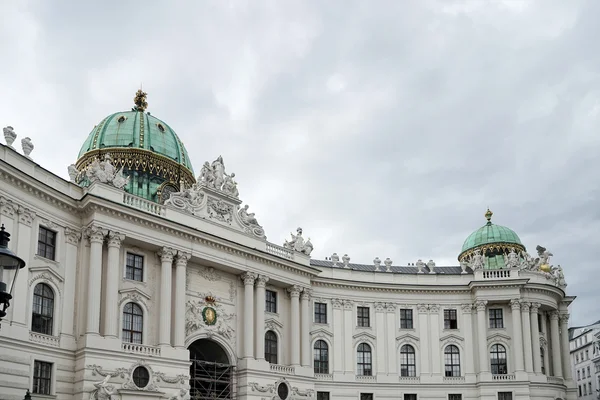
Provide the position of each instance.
(72, 236)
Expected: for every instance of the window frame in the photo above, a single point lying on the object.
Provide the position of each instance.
(271, 301)
(361, 319)
(450, 318)
(134, 267)
(320, 313)
(498, 365)
(128, 333)
(408, 369)
(453, 357)
(36, 380)
(405, 320)
(366, 396)
(39, 319)
(454, 396)
(495, 321)
(321, 357)
(364, 359)
(323, 395)
(271, 343)
(505, 395)
(45, 245)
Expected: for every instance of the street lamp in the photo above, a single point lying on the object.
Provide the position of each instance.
(10, 265)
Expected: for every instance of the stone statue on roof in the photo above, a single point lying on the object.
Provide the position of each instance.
(511, 259)
(104, 172)
(297, 243)
(9, 135)
(477, 260)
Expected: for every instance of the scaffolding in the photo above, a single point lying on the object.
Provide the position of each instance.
(211, 380)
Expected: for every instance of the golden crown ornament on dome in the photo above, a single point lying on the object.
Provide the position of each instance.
(140, 101)
(210, 299)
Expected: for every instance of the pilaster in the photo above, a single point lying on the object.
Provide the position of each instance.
(24, 250)
(259, 317)
(535, 337)
(349, 324)
(113, 267)
(423, 309)
(166, 255)
(526, 324)
(555, 339)
(95, 235)
(380, 337)
(390, 324)
(434, 331)
(305, 327)
(294, 292)
(484, 368)
(467, 313)
(338, 336)
(180, 288)
(515, 305)
(72, 238)
(565, 350)
(249, 278)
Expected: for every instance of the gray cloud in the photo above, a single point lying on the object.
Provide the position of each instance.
(383, 129)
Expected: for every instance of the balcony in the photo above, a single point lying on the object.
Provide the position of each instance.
(134, 348)
(47, 340)
(453, 380)
(504, 377)
(283, 369)
(366, 378)
(324, 377)
(409, 379)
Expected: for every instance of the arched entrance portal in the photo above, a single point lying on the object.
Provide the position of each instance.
(211, 373)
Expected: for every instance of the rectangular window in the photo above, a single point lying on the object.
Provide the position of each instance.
(366, 396)
(322, 395)
(579, 390)
(320, 313)
(588, 372)
(450, 321)
(540, 323)
(455, 397)
(590, 387)
(46, 243)
(406, 319)
(578, 375)
(271, 301)
(496, 319)
(363, 316)
(42, 377)
(410, 396)
(584, 390)
(134, 269)
(587, 354)
(504, 395)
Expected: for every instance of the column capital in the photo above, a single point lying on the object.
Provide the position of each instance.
(261, 281)
(7, 207)
(467, 308)
(26, 216)
(564, 318)
(379, 307)
(554, 315)
(481, 305)
(337, 303)
(525, 306)
(515, 304)
(306, 294)
(114, 239)
(348, 304)
(182, 258)
(390, 307)
(95, 234)
(534, 308)
(167, 254)
(72, 236)
(434, 308)
(422, 308)
(294, 291)
(248, 278)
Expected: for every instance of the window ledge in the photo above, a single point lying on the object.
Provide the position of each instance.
(43, 396)
(44, 339)
(321, 323)
(407, 329)
(368, 328)
(143, 283)
(44, 259)
(497, 329)
(272, 313)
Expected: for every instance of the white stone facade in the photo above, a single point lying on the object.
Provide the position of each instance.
(585, 360)
(192, 263)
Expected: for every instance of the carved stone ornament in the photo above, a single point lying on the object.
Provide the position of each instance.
(525, 306)
(167, 254)
(27, 146)
(477, 260)
(215, 196)
(481, 305)
(261, 281)
(197, 318)
(422, 308)
(130, 384)
(294, 291)
(564, 318)
(434, 308)
(9, 135)
(515, 304)
(388, 264)
(337, 303)
(183, 394)
(248, 278)
(7, 207)
(348, 304)
(114, 239)
(379, 307)
(26, 216)
(209, 273)
(298, 244)
(335, 259)
(104, 172)
(302, 393)
(255, 387)
(431, 266)
(103, 390)
(534, 308)
(346, 260)
(72, 236)
(466, 308)
(420, 264)
(95, 234)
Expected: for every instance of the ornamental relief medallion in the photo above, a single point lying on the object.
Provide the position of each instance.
(209, 315)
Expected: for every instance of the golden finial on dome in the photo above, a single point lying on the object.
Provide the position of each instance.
(140, 101)
(488, 215)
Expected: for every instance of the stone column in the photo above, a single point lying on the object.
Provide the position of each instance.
(68, 311)
(259, 317)
(515, 305)
(338, 335)
(24, 250)
(305, 327)
(180, 295)
(391, 326)
(294, 292)
(467, 312)
(96, 237)
(424, 334)
(113, 267)
(566, 352)
(166, 274)
(535, 336)
(525, 320)
(249, 278)
(555, 338)
(484, 366)
(434, 331)
(380, 338)
(349, 326)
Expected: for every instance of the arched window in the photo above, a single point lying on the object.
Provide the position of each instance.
(544, 362)
(452, 360)
(321, 355)
(271, 347)
(498, 359)
(133, 323)
(364, 360)
(42, 314)
(408, 365)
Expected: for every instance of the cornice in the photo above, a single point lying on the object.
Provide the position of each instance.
(388, 288)
(494, 284)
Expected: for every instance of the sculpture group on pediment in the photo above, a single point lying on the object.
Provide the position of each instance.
(511, 260)
(477, 260)
(298, 244)
(102, 171)
(249, 219)
(213, 175)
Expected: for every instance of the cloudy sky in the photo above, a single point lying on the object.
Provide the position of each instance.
(383, 128)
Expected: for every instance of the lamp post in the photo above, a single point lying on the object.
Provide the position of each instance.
(27, 395)
(10, 265)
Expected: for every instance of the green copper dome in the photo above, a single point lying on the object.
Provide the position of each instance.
(147, 149)
(493, 242)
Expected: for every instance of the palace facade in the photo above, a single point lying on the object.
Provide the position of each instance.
(145, 281)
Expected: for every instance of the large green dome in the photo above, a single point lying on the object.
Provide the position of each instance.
(493, 241)
(147, 149)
